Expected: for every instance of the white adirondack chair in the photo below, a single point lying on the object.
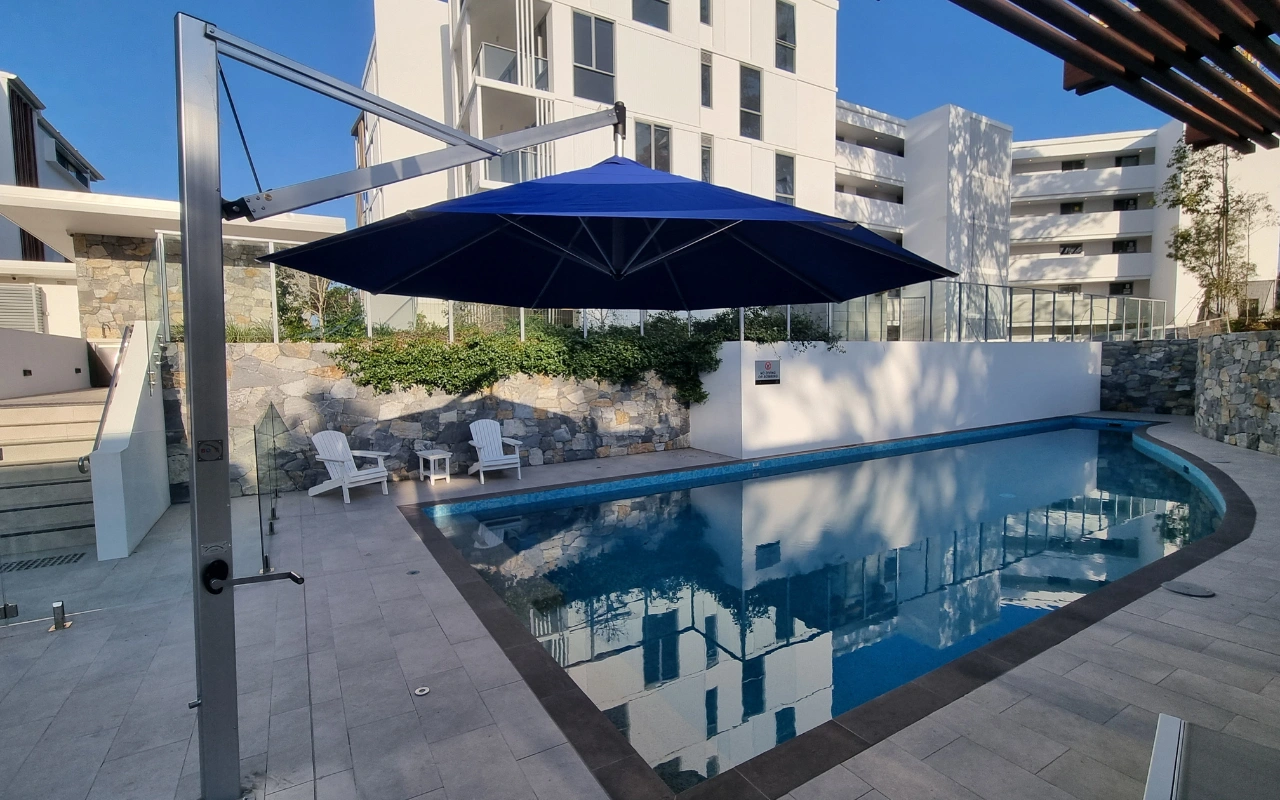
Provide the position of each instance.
(488, 441)
(339, 459)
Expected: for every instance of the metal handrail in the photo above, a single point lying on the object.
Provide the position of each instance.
(82, 463)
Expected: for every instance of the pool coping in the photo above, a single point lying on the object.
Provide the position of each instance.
(625, 775)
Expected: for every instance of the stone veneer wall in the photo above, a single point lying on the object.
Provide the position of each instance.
(1238, 390)
(111, 271)
(1154, 376)
(555, 419)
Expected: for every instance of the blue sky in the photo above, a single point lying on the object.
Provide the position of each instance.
(105, 71)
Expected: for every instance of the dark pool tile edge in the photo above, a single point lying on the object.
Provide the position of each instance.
(629, 777)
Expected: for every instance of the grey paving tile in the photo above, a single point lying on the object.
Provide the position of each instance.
(990, 776)
(1231, 698)
(1083, 777)
(322, 668)
(406, 614)
(290, 687)
(255, 722)
(1266, 642)
(836, 783)
(453, 706)
(898, 776)
(925, 737)
(996, 696)
(363, 643)
(525, 725)
(150, 774)
(1152, 698)
(1135, 722)
(17, 740)
(65, 772)
(1001, 735)
(425, 652)
(1201, 663)
(485, 662)
(1264, 624)
(1254, 731)
(102, 706)
(338, 786)
(392, 760)
(1120, 660)
(1074, 697)
(289, 750)
(559, 774)
(373, 692)
(330, 738)
(1118, 749)
(479, 764)
(459, 622)
(40, 694)
(1058, 660)
(1244, 656)
(1161, 631)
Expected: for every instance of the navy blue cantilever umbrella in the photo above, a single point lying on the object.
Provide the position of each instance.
(616, 235)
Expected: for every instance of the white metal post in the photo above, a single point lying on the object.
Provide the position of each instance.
(163, 266)
(522, 323)
(450, 312)
(199, 181)
(788, 323)
(742, 324)
(275, 302)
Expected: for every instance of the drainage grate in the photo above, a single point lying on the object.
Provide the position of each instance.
(37, 563)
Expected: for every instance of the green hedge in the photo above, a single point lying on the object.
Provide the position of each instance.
(672, 348)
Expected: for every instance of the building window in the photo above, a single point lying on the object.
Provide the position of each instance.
(713, 712)
(784, 724)
(621, 719)
(706, 79)
(1074, 249)
(713, 767)
(66, 163)
(785, 48)
(704, 11)
(1126, 161)
(653, 146)
(768, 555)
(752, 687)
(1124, 246)
(1072, 208)
(711, 630)
(750, 115)
(1074, 164)
(785, 178)
(707, 146)
(1125, 288)
(592, 58)
(661, 648)
(652, 12)
(1249, 307)
(1069, 288)
(1125, 204)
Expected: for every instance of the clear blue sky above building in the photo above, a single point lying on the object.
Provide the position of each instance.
(105, 71)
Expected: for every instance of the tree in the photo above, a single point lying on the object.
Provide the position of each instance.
(1212, 243)
(316, 308)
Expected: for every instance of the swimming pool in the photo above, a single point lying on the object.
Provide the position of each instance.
(713, 615)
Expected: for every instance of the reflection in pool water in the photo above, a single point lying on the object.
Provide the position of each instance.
(712, 623)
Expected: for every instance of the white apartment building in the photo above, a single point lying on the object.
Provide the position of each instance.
(33, 153)
(742, 93)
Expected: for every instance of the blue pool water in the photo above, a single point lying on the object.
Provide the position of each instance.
(714, 621)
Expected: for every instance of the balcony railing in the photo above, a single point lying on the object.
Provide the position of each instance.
(1078, 269)
(501, 64)
(1083, 182)
(1093, 225)
(514, 167)
(866, 161)
(869, 211)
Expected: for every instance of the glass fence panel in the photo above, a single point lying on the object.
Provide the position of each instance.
(496, 63)
(1042, 308)
(912, 318)
(1020, 313)
(1132, 317)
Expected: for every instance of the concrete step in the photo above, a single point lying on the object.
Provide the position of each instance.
(24, 519)
(56, 450)
(65, 490)
(52, 538)
(37, 472)
(47, 431)
(42, 415)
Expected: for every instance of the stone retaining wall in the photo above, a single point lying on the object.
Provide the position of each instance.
(555, 419)
(1238, 390)
(1153, 377)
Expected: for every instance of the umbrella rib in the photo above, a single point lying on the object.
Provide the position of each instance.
(559, 248)
(822, 290)
(554, 270)
(583, 226)
(653, 231)
(663, 256)
(680, 294)
(444, 257)
(827, 230)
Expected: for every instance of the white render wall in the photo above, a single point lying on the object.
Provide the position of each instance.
(52, 360)
(876, 391)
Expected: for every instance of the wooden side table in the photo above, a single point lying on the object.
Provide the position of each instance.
(433, 464)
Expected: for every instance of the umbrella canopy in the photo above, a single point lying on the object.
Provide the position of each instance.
(616, 235)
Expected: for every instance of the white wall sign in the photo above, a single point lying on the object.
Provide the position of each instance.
(768, 373)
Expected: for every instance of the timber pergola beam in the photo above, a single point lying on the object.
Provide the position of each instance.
(1211, 65)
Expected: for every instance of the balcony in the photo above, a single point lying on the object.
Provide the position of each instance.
(501, 64)
(866, 211)
(1078, 227)
(865, 161)
(515, 167)
(1084, 182)
(1079, 269)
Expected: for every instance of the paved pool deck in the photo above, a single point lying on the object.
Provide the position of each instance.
(327, 670)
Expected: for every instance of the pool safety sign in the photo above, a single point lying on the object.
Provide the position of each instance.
(768, 373)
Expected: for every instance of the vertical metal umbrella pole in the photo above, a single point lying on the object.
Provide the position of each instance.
(199, 179)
